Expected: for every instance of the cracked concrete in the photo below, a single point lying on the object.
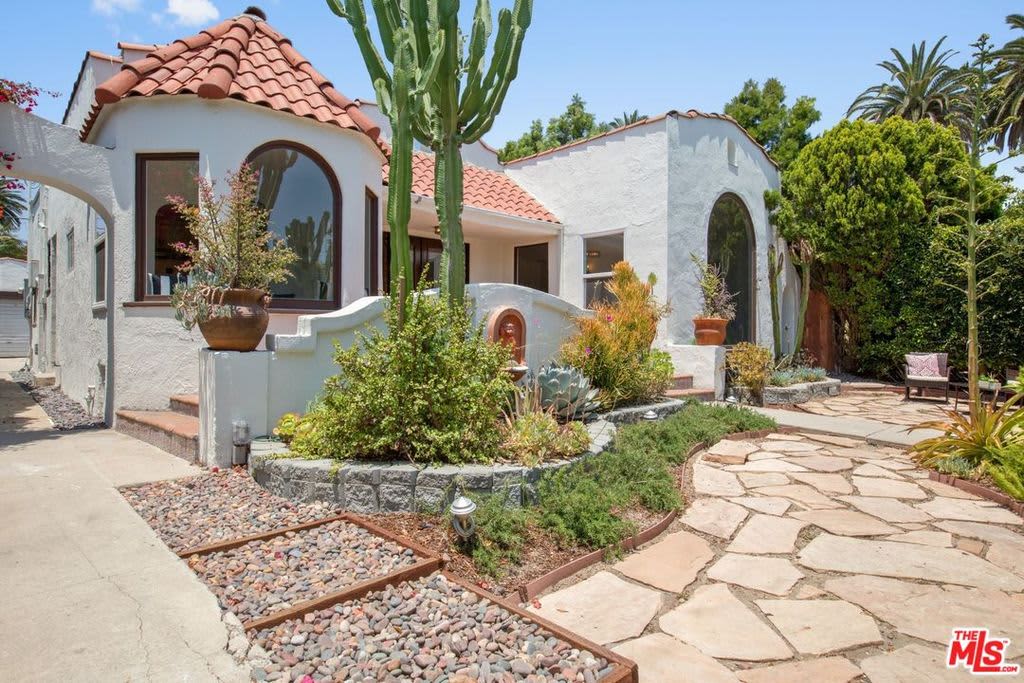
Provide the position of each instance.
(90, 592)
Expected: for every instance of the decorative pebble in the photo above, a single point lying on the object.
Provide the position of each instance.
(215, 506)
(429, 629)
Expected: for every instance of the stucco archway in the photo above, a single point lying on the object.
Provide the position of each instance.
(732, 247)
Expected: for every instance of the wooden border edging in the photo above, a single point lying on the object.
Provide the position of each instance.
(977, 489)
(374, 528)
(422, 568)
(623, 670)
(262, 536)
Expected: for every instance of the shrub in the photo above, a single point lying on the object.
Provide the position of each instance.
(784, 378)
(431, 390)
(500, 534)
(750, 365)
(535, 437)
(613, 348)
(716, 300)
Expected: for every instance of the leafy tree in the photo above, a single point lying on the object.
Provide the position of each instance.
(575, 123)
(922, 87)
(1009, 111)
(12, 247)
(12, 205)
(763, 112)
(628, 118)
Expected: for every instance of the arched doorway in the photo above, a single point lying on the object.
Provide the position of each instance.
(731, 246)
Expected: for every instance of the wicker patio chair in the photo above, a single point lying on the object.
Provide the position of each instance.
(927, 371)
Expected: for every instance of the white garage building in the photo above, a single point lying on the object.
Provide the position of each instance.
(13, 325)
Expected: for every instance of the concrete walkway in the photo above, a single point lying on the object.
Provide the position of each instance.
(873, 432)
(90, 593)
(808, 558)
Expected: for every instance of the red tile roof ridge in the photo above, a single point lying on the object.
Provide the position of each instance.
(242, 58)
(140, 47)
(689, 114)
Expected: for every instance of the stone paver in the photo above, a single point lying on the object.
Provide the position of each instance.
(767, 574)
(766, 504)
(715, 622)
(889, 509)
(791, 446)
(911, 664)
(821, 627)
(756, 479)
(968, 510)
(764, 534)
(931, 612)
(714, 516)
(801, 493)
(985, 532)
(603, 608)
(730, 452)
(939, 539)
(661, 658)
(888, 488)
(846, 522)
(711, 481)
(826, 483)
(767, 465)
(824, 670)
(905, 560)
(869, 469)
(946, 491)
(824, 463)
(671, 564)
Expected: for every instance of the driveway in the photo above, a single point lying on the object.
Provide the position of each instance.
(90, 593)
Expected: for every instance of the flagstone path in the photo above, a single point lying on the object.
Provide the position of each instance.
(808, 557)
(885, 406)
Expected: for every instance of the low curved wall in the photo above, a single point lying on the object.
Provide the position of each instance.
(371, 487)
(799, 393)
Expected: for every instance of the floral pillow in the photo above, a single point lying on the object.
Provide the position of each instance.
(925, 364)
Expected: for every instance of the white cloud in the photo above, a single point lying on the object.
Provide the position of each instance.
(190, 12)
(112, 7)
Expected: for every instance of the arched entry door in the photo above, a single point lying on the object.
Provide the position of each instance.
(731, 247)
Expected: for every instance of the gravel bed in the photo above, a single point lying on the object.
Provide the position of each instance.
(65, 413)
(263, 577)
(430, 629)
(216, 506)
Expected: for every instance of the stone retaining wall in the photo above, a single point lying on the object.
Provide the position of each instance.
(371, 487)
(799, 393)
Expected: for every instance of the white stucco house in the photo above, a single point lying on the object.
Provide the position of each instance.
(13, 324)
(141, 124)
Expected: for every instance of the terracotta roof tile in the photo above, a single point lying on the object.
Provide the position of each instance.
(483, 189)
(242, 58)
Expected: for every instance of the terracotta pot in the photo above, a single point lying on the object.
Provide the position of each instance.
(244, 328)
(709, 331)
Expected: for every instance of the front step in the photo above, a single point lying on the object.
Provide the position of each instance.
(186, 404)
(168, 430)
(705, 395)
(682, 382)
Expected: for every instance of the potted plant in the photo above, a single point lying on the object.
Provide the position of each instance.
(232, 261)
(718, 307)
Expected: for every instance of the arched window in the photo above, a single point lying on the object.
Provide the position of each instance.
(304, 200)
(731, 247)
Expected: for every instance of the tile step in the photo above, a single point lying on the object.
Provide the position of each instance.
(169, 431)
(695, 393)
(186, 404)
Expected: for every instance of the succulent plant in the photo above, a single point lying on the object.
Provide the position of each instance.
(566, 392)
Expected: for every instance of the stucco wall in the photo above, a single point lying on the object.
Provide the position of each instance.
(614, 184)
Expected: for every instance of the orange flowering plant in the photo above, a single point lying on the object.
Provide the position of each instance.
(613, 347)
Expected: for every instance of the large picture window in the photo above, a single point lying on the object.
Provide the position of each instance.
(157, 225)
(600, 255)
(304, 200)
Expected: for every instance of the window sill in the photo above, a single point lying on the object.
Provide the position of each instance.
(99, 307)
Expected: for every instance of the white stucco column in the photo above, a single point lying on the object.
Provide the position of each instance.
(232, 386)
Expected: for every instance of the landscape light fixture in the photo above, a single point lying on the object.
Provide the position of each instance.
(650, 416)
(462, 510)
(241, 440)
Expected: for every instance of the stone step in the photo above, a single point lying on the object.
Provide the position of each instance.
(167, 430)
(186, 404)
(682, 382)
(695, 393)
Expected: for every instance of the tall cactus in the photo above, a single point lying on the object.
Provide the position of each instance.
(445, 113)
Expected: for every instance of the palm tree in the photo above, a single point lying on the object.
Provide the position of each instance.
(628, 118)
(923, 87)
(12, 206)
(1009, 113)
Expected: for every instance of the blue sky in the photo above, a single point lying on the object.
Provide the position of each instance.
(651, 55)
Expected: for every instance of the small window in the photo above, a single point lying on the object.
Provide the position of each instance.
(70, 247)
(371, 259)
(158, 225)
(601, 254)
(531, 266)
(51, 260)
(100, 271)
(730, 146)
(99, 226)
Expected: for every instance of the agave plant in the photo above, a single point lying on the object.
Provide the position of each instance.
(566, 392)
(990, 442)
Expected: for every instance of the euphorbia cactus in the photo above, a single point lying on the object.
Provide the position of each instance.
(421, 38)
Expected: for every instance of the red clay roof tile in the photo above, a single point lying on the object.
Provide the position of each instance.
(240, 58)
(483, 189)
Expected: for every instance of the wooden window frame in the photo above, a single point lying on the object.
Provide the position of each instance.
(372, 247)
(603, 276)
(140, 218)
(336, 206)
(515, 263)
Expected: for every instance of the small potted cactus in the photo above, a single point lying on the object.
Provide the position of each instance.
(717, 308)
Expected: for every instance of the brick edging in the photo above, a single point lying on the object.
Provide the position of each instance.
(1015, 506)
